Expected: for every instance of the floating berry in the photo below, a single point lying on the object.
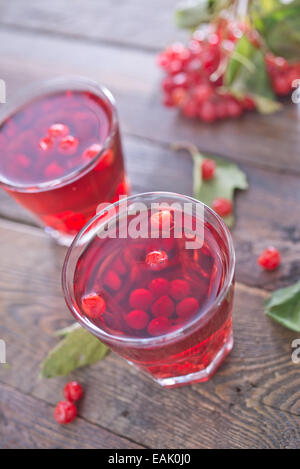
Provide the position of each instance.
(179, 289)
(23, 160)
(112, 280)
(159, 287)
(208, 169)
(158, 326)
(68, 144)
(164, 306)
(93, 305)
(65, 412)
(137, 319)
(106, 160)
(140, 299)
(222, 206)
(269, 259)
(157, 260)
(58, 130)
(92, 151)
(187, 307)
(53, 170)
(46, 143)
(161, 219)
(73, 391)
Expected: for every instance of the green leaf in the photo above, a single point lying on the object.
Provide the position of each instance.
(284, 307)
(246, 75)
(78, 348)
(279, 24)
(228, 177)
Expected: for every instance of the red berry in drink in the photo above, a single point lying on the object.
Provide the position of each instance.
(92, 151)
(112, 280)
(46, 143)
(161, 219)
(65, 412)
(269, 259)
(106, 160)
(208, 169)
(53, 171)
(58, 130)
(137, 319)
(164, 306)
(179, 289)
(157, 260)
(141, 298)
(222, 206)
(187, 307)
(159, 287)
(73, 391)
(158, 326)
(93, 305)
(68, 144)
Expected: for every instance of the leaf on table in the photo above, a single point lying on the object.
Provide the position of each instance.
(284, 307)
(246, 75)
(228, 178)
(78, 348)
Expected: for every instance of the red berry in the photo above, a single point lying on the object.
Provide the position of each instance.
(161, 219)
(92, 151)
(189, 108)
(65, 412)
(270, 259)
(53, 170)
(208, 169)
(106, 160)
(207, 112)
(164, 306)
(58, 130)
(137, 319)
(158, 326)
(179, 289)
(157, 260)
(187, 307)
(159, 286)
(140, 299)
(68, 144)
(178, 96)
(73, 391)
(234, 108)
(281, 85)
(112, 280)
(203, 92)
(222, 206)
(93, 305)
(46, 143)
(248, 103)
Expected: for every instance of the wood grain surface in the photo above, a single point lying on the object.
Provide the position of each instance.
(254, 399)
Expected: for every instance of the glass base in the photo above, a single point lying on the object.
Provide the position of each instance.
(200, 376)
(60, 238)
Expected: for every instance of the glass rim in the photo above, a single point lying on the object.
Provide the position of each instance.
(47, 87)
(169, 337)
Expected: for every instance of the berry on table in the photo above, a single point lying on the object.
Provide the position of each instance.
(187, 307)
(164, 306)
(269, 259)
(158, 326)
(222, 206)
(137, 319)
(58, 130)
(73, 391)
(179, 289)
(208, 169)
(157, 260)
(65, 412)
(93, 305)
(140, 298)
(159, 286)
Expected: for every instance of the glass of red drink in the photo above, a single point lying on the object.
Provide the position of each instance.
(61, 153)
(152, 276)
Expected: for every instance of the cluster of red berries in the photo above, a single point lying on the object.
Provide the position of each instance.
(66, 411)
(194, 76)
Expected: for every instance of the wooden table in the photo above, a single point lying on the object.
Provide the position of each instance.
(254, 399)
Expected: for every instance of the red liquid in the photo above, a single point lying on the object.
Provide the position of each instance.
(182, 290)
(31, 155)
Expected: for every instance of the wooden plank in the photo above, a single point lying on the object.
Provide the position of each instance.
(134, 79)
(262, 218)
(27, 423)
(239, 408)
(148, 25)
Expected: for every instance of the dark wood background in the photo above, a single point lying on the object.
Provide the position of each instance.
(254, 399)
